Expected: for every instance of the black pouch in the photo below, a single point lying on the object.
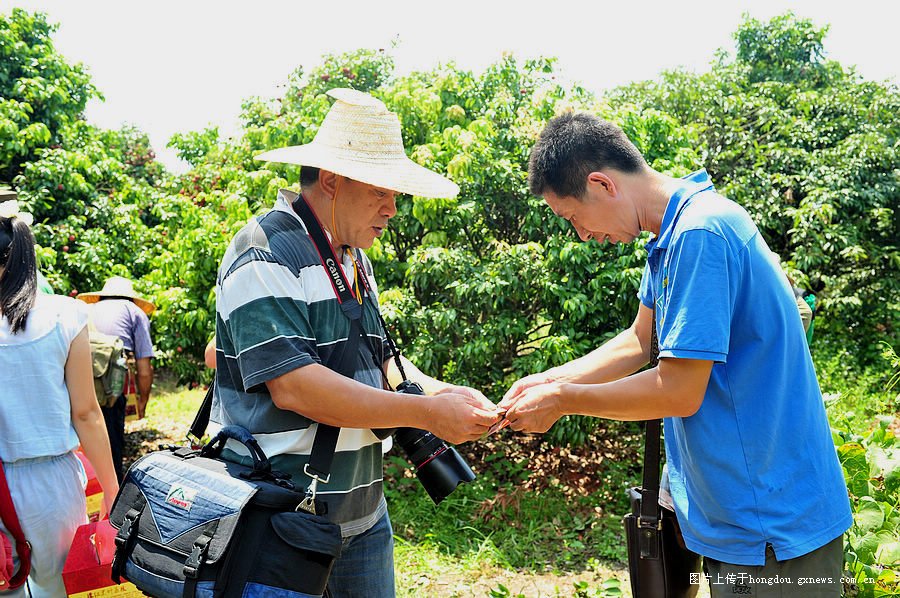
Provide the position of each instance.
(659, 564)
(193, 525)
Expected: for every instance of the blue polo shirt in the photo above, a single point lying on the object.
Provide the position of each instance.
(756, 464)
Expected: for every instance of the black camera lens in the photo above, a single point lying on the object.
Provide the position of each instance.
(439, 467)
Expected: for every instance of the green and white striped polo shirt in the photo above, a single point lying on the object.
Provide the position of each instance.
(276, 311)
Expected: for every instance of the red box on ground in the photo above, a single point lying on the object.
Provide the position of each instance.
(93, 493)
(87, 572)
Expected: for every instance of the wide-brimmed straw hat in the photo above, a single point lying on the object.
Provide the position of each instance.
(361, 139)
(120, 287)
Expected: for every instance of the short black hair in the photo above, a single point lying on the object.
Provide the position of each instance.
(18, 283)
(572, 146)
(309, 176)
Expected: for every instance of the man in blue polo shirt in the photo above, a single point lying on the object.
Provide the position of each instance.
(752, 469)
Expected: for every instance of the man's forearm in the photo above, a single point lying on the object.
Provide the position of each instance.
(330, 398)
(144, 385)
(673, 389)
(615, 359)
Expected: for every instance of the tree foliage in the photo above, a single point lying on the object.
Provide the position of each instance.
(490, 285)
(40, 93)
(811, 150)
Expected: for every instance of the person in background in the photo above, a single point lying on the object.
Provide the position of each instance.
(47, 408)
(806, 303)
(117, 310)
(752, 469)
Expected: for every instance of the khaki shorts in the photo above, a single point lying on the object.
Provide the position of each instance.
(813, 575)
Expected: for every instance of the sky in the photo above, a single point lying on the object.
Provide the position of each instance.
(175, 66)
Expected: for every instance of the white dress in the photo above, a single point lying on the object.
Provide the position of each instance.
(45, 478)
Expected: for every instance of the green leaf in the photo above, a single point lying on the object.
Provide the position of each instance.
(888, 554)
(869, 515)
(856, 468)
(865, 547)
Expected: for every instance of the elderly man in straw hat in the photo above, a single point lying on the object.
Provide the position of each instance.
(117, 310)
(281, 330)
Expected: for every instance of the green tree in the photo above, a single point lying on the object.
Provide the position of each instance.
(93, 201)
(490, 285)
(811, 150)
(40, 92)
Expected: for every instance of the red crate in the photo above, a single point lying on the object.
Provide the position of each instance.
(87, 572)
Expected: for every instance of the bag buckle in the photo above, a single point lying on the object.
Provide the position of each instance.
(194, 442)
(648, 537)
(124, 537)
(125, 532)
(308, 504)
(195, 560)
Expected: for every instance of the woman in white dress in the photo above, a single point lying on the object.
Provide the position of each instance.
(47, 408)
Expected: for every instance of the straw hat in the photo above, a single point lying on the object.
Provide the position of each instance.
(360, 139)
(122, 288)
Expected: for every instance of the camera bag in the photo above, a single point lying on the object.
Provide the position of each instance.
(191, 524)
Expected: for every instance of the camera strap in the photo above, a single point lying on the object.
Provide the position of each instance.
(351, 307)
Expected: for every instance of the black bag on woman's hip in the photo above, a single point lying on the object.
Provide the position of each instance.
(193, 525)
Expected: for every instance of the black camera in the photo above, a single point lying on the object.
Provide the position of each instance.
(439, 467)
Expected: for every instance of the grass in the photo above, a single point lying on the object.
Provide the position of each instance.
(168, 401)
(854, 399)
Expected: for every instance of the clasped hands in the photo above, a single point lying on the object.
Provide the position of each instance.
(532, 404)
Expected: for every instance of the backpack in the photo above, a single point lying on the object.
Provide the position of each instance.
(108, 359)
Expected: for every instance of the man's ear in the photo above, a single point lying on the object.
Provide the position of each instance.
(328, 183)
(604, 181)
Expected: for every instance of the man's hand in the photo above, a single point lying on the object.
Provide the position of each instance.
(466, 391)
(534, 408)
(521, 386)
(460, 414)
(142, 406)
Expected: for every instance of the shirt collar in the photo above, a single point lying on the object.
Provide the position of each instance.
(284, 203)
(693, 183)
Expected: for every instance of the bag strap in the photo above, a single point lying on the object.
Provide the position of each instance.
(201, 420)
(649, 516)
(11, 521)
(126, 536)
(322, 455)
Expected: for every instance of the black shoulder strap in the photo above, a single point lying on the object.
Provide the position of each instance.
(650, 485)
(201, 420)
(322, 455)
